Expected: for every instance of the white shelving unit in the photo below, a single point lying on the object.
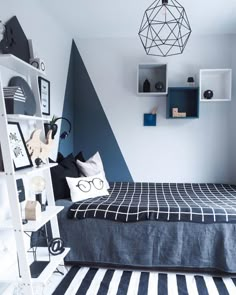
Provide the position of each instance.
(25, 118)
(33, 226)
(154, 73)
(12, 66)
(27, 171)
(12, 275)
(217, 80)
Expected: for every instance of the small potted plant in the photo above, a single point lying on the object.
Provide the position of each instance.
(51, 126)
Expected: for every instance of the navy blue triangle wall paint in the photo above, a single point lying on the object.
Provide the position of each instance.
(91, 129)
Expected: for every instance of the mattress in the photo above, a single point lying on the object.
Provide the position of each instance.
(133, 202)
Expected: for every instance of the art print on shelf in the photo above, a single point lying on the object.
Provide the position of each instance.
(19, 151)
(44, 90)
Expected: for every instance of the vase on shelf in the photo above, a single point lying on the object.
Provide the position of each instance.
(50, 126)
(191, 82)
(208, 94)
(146, 86)
(159, 86)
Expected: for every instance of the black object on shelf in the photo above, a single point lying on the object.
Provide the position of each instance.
(38, 162)
(159, 86)
(21, 195)
(53, 126)
(146, 86)
(190, 80)
(15, 41)
(38, 198)
(21, 190)
(50, 126)
(208, 94)
(56, 246)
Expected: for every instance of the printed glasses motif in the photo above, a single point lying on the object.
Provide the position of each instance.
(85, 186)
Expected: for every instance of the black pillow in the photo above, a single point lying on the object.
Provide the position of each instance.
(80, 157)
(60, 157)
(51, 161)
(66, 168)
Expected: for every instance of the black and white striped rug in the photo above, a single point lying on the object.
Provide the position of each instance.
(100, 281)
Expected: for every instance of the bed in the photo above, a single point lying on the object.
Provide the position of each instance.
(147, 225)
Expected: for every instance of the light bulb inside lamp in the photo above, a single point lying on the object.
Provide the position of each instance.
(38, 185)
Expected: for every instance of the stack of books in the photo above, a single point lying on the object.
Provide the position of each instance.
(14, 100)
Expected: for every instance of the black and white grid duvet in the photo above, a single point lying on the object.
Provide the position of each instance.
(131, 202)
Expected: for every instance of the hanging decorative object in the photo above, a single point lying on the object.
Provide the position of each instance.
(165, 28)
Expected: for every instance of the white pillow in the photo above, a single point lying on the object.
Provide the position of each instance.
(92, 167)
(82, 188)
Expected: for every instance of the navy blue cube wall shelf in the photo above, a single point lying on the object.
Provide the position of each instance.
(149, 119)
(186, 99)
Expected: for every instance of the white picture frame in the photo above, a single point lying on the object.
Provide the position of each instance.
(19, 152)
(44, 90)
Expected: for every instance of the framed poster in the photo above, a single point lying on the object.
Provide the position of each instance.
(44, 90)
(19, 152)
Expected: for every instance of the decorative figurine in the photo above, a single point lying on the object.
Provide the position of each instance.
(146, 86)
(38, 162)
(159, 86)
(208, 94)
(39, 150)
(191, 82)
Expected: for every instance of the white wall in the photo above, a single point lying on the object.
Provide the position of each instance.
(232, 132)
(175, 150)
(53, 45)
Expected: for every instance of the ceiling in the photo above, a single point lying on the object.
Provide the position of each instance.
(122, 18)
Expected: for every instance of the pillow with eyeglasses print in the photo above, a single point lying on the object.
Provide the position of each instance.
(82, 188)
(92, 166)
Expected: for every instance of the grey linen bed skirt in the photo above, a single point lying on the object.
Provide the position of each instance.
(149, 244)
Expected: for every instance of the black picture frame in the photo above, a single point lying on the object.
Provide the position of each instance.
(44, 90)
(19, 152)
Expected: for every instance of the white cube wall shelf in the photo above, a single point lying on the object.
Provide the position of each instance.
(154, 73)
(217, 80)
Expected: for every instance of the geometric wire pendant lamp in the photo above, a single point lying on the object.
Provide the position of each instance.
(165, 28)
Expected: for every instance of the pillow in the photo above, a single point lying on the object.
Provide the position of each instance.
(82, 188)
(92, 167)
(66, 168)
(60, 157)
(80, 157)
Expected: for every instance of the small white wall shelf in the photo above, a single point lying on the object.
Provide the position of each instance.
(217, 80)
(154, 73)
